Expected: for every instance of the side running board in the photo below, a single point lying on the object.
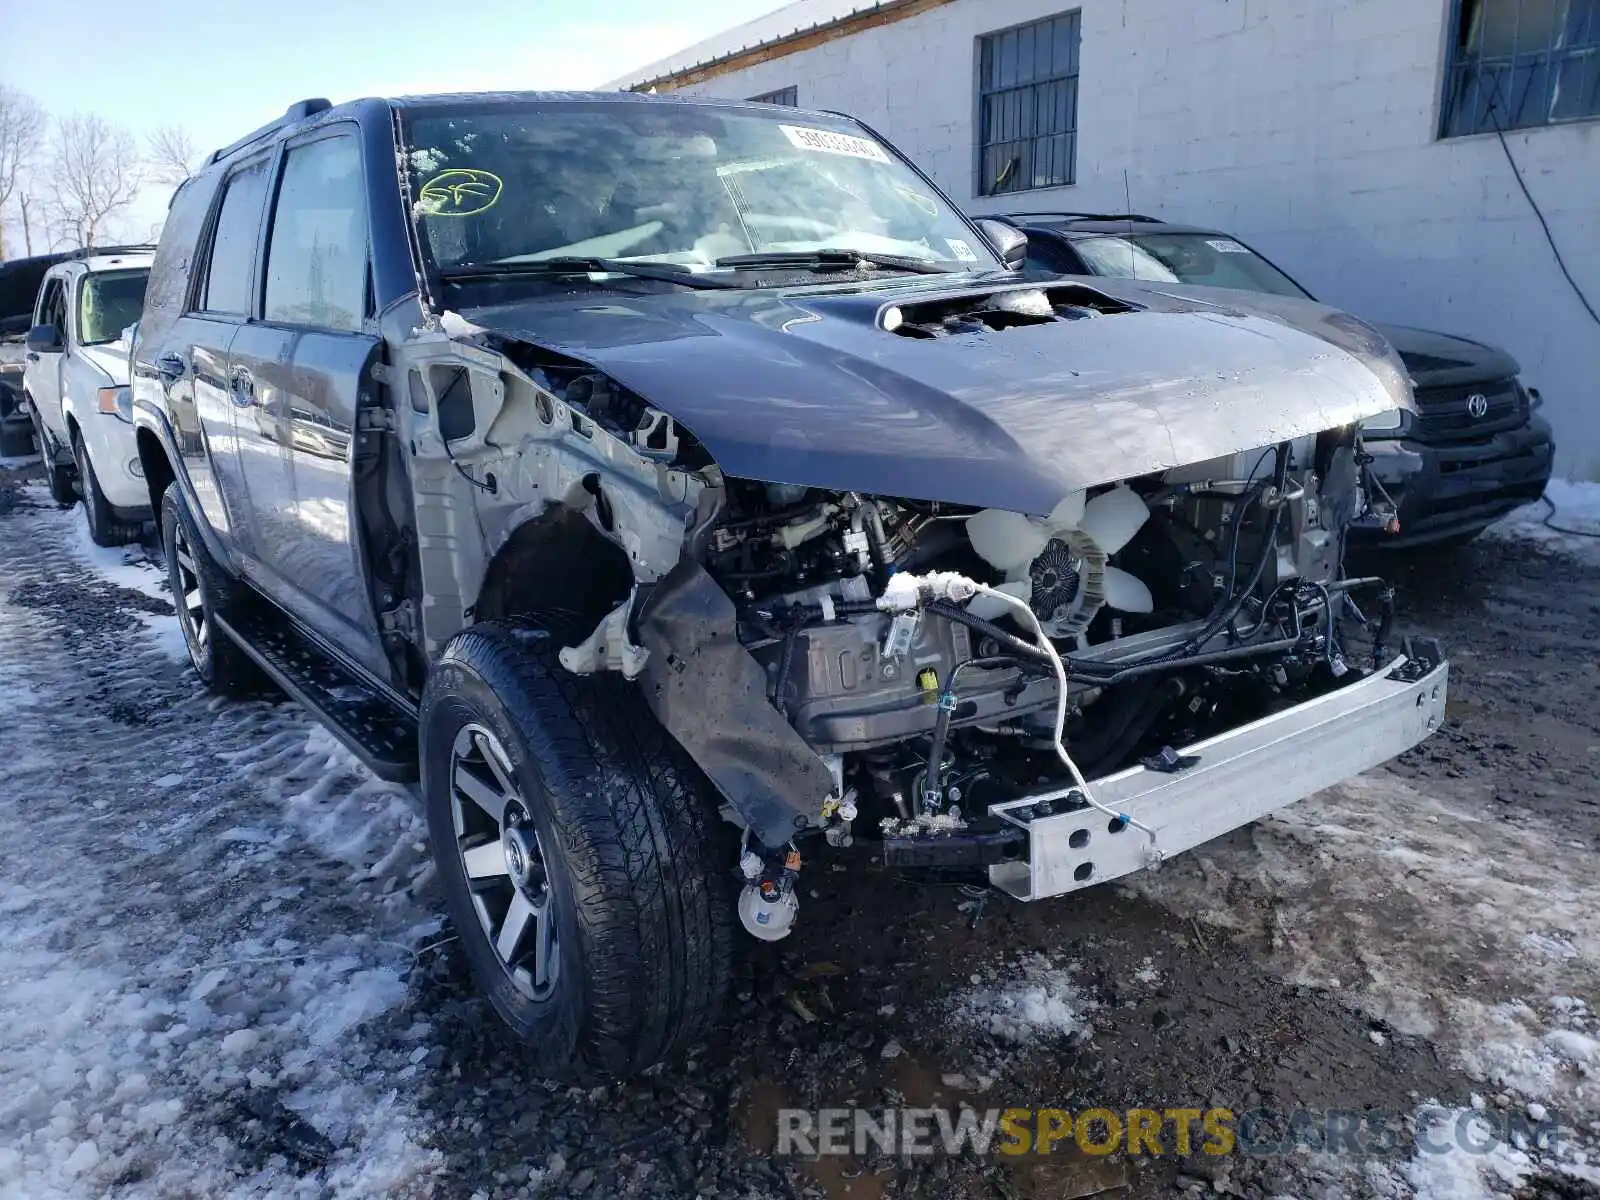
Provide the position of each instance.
(372, 727)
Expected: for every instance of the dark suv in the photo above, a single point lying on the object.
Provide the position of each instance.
(668, 486)
(1474, 450)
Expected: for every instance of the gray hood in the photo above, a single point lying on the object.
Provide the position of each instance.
(973, 399)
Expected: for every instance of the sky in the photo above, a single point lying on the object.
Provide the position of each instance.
(220, 68)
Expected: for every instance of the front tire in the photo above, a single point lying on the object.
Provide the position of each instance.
(200, 589)
(579, 852)
(104, 528)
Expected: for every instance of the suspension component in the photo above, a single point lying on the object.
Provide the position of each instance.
(767, 904)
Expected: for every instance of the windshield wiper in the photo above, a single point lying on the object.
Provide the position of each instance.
(575, 265)
(830, 259)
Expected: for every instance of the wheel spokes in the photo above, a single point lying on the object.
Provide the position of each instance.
(503, 862)
(514, 928)
(493, 759)
(544, 945)
(490, 799)
(487, 861)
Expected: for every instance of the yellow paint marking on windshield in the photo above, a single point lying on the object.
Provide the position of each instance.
(459, 192)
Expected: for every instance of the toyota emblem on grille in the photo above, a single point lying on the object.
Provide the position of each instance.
(1477, 405)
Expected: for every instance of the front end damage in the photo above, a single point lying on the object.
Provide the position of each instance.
(1054, 696)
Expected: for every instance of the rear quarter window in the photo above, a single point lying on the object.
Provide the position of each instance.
(175, 256)
(228, 281)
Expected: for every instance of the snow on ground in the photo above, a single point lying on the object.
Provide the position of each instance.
(205, 928)
(1577, 508)
(1431, 915)
(137, 567)
(1033, 998)
(1478, 1153)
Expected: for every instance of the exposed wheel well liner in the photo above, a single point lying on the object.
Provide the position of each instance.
(559, 567)
(158, 473)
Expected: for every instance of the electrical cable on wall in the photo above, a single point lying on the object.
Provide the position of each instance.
(1537, 212)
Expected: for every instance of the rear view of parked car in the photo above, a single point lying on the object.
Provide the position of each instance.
(76, 385)
(1474, 450)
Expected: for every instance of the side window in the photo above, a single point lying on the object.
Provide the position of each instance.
(317, 255)
(1045, 254)
(51, 310)
(233, 246)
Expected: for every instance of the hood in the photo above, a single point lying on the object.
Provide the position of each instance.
(111, 360)
(1437, 359)
(1003, 395)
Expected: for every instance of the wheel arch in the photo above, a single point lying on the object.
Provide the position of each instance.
(558, 566)
(158, 472)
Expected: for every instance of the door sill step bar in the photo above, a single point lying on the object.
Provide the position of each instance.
(370, 726)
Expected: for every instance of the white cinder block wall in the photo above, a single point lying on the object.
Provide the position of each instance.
(1306, 128)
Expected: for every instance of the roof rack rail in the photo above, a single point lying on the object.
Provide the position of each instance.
(101, 251)
(298, 111)
(1089, 216)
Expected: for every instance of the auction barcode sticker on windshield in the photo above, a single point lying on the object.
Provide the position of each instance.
(826, 141)
(1227, 246)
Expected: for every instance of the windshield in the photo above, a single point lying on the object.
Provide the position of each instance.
(108, 302)
(1200, 258)
(668, 184)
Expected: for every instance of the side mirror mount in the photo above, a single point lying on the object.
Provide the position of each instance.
(1009, 242)
(44, 339)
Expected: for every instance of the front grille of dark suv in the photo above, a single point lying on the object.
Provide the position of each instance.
(1466, 412)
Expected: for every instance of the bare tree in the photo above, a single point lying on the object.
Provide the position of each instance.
(22, 132)
(94, 174)
(26, 203)
(171, 155)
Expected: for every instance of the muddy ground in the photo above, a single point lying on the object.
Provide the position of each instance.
(1421, 935)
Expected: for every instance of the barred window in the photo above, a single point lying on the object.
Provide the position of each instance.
(788, 95)
(1028, 106)
(1516, 64)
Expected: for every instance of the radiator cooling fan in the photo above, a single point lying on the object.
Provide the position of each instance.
(1058, 564)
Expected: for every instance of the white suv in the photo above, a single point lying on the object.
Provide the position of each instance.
(76, 384)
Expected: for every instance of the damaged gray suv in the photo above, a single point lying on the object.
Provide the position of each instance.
(678, 490)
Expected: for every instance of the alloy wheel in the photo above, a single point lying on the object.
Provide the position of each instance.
(191, 600)
(503, 862)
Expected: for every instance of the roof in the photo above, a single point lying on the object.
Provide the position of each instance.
(1105, 223)
(791, 20)
(129, 260)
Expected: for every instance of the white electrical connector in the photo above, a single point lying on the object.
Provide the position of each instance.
(906, 591)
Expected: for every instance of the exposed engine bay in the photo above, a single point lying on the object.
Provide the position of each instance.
(1203, 596)
(839, 661)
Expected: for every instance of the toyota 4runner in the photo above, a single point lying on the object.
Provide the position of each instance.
(612, 464)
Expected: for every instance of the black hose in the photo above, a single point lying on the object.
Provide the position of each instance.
(1380, 640)
(1012, 643)
(932, 790)
(1149, 666)
(781, 684)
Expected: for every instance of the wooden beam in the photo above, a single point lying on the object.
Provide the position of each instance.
(807, 40)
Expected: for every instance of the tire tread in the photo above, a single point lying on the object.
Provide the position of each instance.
(636, 827)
